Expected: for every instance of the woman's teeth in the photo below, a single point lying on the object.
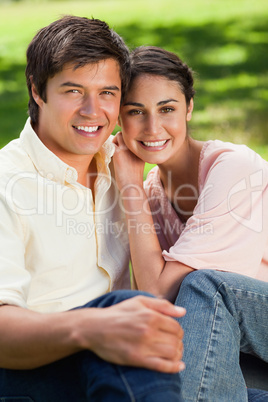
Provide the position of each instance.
(154, 144)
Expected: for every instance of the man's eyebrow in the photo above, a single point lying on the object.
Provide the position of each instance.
(161, 103)
(71, 84)
(74, 84)
(112, 88)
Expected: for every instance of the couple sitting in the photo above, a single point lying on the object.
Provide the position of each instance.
(71, 328)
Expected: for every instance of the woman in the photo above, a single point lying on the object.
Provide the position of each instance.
(198, 227)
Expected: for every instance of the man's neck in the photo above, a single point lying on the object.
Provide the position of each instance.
(86, 169)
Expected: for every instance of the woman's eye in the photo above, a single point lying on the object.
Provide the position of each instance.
(134, 112)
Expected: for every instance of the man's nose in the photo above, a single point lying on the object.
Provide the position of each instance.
(90, 107)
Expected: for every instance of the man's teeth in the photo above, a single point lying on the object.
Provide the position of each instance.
(88, 129)
(154, 144)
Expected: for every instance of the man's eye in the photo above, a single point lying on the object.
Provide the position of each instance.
(107, 93)
(73, 91)
(167, 109)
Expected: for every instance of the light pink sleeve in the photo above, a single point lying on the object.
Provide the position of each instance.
(229, 228)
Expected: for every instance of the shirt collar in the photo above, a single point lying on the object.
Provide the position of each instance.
(52, 167)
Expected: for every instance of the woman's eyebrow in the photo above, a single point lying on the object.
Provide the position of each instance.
(133, 104)
(161, 103)
(164, 102)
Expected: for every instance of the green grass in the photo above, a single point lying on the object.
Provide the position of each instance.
(224, 41)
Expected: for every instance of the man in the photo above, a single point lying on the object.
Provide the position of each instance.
(63, 243)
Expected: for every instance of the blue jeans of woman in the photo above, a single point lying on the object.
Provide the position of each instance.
(86, 377)
(226, 313)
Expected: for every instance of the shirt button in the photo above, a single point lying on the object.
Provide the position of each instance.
(69, 175)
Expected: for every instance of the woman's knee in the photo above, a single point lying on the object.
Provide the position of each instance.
(200, 277)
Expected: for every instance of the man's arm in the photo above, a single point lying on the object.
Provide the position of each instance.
(138, 332)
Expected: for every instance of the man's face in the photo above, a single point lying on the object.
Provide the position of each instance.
(81, 110)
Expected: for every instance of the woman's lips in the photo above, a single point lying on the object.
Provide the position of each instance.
(154, 145)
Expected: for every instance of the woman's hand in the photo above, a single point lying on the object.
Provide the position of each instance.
(128, 167)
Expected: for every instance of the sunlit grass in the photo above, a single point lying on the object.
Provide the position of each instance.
(226, 43)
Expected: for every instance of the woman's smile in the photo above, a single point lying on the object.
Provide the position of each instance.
(154, 119)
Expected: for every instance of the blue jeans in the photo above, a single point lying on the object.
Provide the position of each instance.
(226, 313)
(85, 377)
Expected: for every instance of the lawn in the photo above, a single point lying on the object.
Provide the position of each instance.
(224, 41)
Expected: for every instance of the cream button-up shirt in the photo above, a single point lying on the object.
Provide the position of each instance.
(59, 250)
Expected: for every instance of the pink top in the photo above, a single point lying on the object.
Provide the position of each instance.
(228, 230)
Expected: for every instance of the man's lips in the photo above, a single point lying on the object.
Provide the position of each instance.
(88, 131)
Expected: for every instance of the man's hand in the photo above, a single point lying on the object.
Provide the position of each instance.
(140, 332)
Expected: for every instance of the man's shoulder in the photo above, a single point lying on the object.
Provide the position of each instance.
(13, 158)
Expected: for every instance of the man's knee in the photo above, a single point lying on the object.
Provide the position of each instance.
(118, 296)
(114, 297)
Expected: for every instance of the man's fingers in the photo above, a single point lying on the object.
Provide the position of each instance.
(171, 352)
(163, 306)
(164, 365)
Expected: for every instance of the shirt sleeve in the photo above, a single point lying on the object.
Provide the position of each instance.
(14, 278)
(229, 227)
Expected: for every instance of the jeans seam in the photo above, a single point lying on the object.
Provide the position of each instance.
(213, 331)
(202, 385)
(128, 387)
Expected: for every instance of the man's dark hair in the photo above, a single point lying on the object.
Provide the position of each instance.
(158, 61)
(76, 40)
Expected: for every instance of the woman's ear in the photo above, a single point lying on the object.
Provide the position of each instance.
(119, 121)
(190, 110)
(35, 94)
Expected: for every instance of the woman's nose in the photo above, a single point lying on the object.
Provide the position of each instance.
(152, 125)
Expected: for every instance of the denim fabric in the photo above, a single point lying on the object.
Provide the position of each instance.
(257, 395)
(86, 377)
(226, 313)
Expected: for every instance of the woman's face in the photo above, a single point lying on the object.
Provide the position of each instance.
(154, 119)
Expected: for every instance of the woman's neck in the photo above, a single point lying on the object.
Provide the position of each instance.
(180, 178)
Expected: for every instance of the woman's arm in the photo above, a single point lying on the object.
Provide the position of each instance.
(152, 273)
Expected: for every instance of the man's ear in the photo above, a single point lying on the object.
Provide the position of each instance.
(190, 110)
(35, 94)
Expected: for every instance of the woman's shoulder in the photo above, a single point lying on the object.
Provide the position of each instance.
(229, 158)
(213, 149)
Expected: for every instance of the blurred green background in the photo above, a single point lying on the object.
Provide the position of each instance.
(224, 41)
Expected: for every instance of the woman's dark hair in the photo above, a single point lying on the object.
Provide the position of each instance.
(157, 61)
(76, 40)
